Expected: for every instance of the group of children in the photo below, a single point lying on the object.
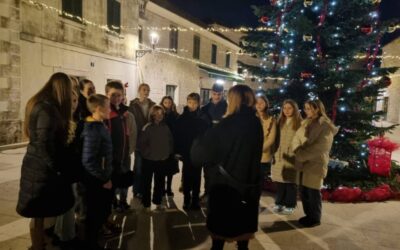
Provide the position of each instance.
(163, 138)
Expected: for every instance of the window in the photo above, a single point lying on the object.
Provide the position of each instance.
(72, 7)
(228, 59)
(114, 15)
(214, 54)
(142, 8)
(140, 34)
(173, 39)
(170, 91)
(205, 96)
(196, 47)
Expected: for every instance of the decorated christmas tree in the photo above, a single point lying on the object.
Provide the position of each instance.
(328, 49)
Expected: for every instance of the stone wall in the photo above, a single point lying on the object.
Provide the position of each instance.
(393, 91)
(10, 70)
(36, 41)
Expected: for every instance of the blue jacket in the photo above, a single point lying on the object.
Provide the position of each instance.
(97, 151)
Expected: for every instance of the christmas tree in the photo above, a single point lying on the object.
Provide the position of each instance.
(327, 49)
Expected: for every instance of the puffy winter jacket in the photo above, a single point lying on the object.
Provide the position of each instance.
(45, 190)
(97, 151)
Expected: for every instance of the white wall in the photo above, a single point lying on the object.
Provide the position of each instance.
(42, 58)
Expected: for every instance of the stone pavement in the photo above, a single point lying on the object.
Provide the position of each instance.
(344, 226)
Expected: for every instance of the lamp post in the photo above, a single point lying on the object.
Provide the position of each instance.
(154, 38)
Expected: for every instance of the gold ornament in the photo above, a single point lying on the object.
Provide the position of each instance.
(307, 3)
(307, 37)
(391, 28)
(375, 1)
(368, 99)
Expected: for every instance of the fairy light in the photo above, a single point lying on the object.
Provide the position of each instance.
(105, 27)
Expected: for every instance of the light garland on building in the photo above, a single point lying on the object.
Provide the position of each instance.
(105, 27)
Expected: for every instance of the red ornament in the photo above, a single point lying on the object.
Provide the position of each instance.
(126, 85)
(264, 19)
(273, 2)
(305, 74)
(346, 194)
(381, 193)
(367, 29)
(380, 157)
(385, 81)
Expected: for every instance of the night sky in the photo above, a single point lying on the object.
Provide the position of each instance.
(234, 13)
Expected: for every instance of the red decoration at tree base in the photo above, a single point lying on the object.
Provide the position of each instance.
(380, 157)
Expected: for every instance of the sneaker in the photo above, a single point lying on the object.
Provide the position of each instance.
(277, 208)
(287, 210)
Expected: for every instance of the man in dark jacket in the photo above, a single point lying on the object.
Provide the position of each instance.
(188, 126)
(214, 111)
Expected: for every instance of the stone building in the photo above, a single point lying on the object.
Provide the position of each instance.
(391, 101)
(99, 40)
(186, 58)
(81, 38)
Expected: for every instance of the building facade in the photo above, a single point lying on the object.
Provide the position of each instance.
(186, 58)
(80, 37)
(391, 98)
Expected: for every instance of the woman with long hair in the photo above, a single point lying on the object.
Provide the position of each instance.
(283, 172)
(269, 128)
(232, 150)
(311, 145)
(171, 115)
(44, 189)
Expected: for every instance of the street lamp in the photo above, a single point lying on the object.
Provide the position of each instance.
(154, 38)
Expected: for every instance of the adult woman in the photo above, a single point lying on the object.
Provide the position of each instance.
(45, 191)
(312, 144)
(234, 148)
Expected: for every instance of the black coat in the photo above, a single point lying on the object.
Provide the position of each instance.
(188, 127)
(172, 164)
(214, 112)
(236, 145)
(45, 190)
(118, 127)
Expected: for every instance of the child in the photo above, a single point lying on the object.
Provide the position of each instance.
(97, 163)
(269, 127)
(140, 107)
(283, 171)
(170, 118)
(156, 145)
(190, 125)
(311, 145)
(118, 127)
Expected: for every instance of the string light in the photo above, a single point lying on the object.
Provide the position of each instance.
(106, 27)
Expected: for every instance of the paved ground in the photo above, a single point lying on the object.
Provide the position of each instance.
(344, 226)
